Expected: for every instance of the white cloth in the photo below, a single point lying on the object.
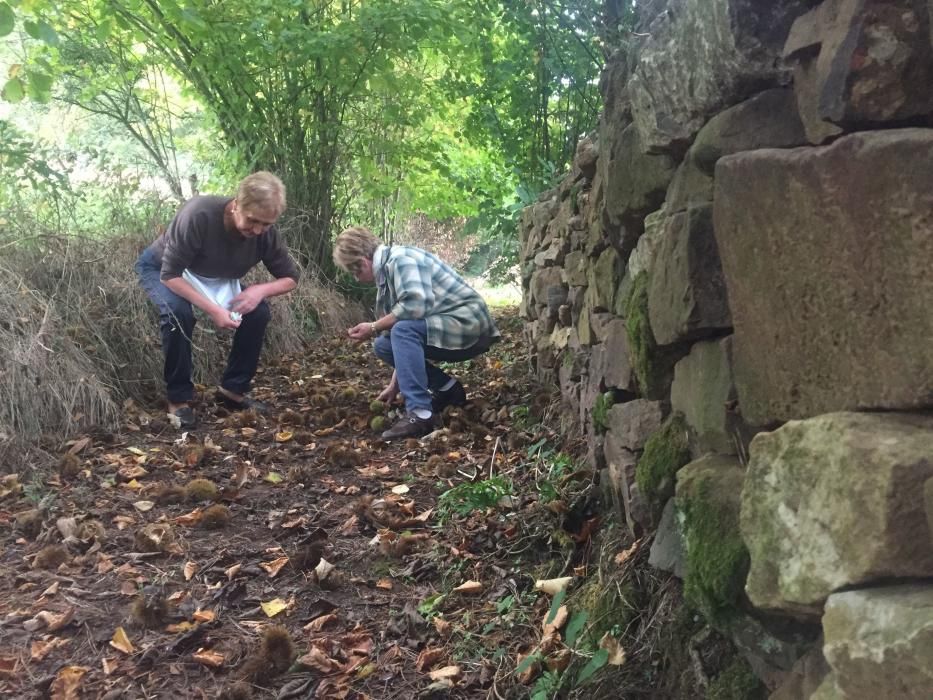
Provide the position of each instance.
(219, 290)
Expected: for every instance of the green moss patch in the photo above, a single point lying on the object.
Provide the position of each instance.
(708, 500)
(665, 452)
(736, 682)
(600, 413)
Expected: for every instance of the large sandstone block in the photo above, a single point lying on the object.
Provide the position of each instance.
(687, 296)
(836, 501)
(827, 255)
(861, 62)
(611, 361)
(704, 392)
(879, 642)
(633, 422)
(703, 56)
(635, 184)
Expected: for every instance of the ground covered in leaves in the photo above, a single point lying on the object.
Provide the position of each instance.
(296, 555)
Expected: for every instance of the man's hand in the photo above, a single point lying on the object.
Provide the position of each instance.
(361, 331)
(221, 318)
(247, 300)
(390, 392)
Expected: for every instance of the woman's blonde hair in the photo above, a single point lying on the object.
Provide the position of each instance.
(352, 245)
(261, 190)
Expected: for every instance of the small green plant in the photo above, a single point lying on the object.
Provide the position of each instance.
(552, 467)
(429, 606)
(550, 683)
(468, 497)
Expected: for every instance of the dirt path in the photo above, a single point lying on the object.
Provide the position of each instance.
(311, 560)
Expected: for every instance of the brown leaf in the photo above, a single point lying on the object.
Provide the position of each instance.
(429, 657)
(442, 627)
(190, 570)
(560, 617)
(109, 665)
(203, 615)
(616, 652)
(385, 584)
(622, 557)
(79, 445)
(318, 623)
(67, 683)
(275, 566)
(189, 519)
(208, 657)
(446, 673)
(317, 659)
(8, 666)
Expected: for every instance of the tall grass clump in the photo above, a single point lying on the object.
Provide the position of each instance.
(78, 336)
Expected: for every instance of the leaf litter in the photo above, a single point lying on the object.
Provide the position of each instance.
(336, 565)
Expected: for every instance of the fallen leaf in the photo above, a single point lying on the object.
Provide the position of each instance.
(385, 584)
(400, 490)
(104, 563)
(273, 607)
(560, 617)
(284, 436)
(214, 659)
(233, 571)
(242, 475)
(446, 673)
(622, 557)
(183, 626)
(8, 666)
(109, 665)
(123, 521)
(323, 569)
(144, 506)
(442, 627)
(275, 566)
(318, 623)
(79, 445)
(317, 659)
(203, 615)
(67, 683)
(190, 570)
(553, 586)
(40, 648)
(429, 658)
(189, 519)
(121, 642)
(469, 588)
(273, 478)
(616, 652)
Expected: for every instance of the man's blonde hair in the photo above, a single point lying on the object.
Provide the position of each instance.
(352, 245)
(261, 190)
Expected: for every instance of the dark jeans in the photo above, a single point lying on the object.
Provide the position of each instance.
(406, 349)
(176, 322)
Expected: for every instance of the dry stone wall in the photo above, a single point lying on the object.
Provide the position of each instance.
(733, 291)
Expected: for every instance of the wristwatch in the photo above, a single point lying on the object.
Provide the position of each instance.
(372, 329)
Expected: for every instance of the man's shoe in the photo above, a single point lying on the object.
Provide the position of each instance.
(245, 404)
(454, 396)
(410, 426)
(185, 417)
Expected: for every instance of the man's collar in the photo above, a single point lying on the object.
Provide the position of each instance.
(380, 257)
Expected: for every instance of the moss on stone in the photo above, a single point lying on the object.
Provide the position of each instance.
(600, 413)
(736, 682)
(640, 338)
(716, 557)
(666, 451)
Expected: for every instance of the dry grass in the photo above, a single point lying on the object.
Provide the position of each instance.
(78, 336)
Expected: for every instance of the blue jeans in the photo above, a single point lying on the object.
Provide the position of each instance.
(176, 322)
(406, 349)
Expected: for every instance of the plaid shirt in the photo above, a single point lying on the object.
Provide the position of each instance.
(414, 283)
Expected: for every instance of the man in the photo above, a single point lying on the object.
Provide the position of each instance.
(426, 311)
(210, 244)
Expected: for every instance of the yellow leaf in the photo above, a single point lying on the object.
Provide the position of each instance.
(284, 436)
(273, 607)
(273, 478)
(121, 642)
(144, 506)
(136, 451)
(66, 685)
